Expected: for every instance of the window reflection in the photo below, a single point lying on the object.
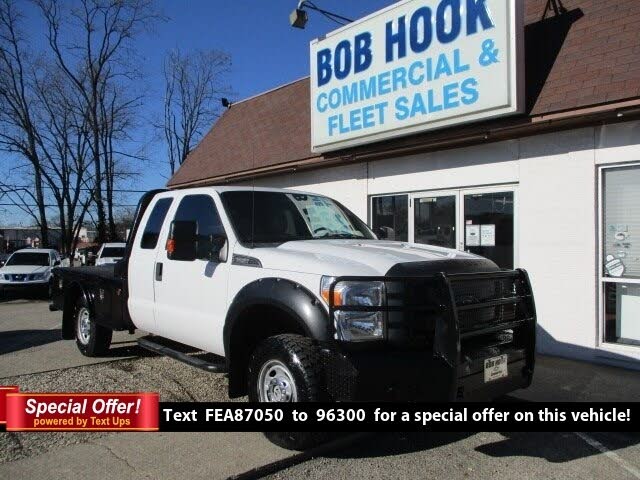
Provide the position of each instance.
(389, 217)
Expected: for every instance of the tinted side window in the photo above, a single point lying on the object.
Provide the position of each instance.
(154, 224)
(202, 210)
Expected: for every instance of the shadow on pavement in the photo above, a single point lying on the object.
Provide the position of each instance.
(398, 443)
(551, 446)
(16, 340)
(128, 349)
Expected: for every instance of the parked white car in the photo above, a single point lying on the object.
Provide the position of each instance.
(110, 253)
(28, 270)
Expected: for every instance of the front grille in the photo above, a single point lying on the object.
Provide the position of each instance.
(487, 289)
(489, 302)
(452, 315)
(470, 320)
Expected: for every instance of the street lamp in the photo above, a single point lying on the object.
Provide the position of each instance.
(298, 17)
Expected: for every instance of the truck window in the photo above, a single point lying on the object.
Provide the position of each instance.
(202, 210)
(154, 224)
(276, 217)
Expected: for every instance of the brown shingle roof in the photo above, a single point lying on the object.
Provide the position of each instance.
(587, 56)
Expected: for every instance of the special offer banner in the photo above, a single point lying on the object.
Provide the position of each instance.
(82, 411)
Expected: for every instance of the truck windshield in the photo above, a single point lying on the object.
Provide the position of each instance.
(112, 252)
(277, 217)
(29, 258)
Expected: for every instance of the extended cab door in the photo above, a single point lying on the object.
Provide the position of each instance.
(143, 262)
(191, 296)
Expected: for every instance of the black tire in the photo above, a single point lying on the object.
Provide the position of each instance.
(302, 358)
(96, 341)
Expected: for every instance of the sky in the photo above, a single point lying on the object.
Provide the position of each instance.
(265, 50)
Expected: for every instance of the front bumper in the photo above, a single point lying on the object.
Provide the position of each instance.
(438, 353)
(24, 288)
(416, 376)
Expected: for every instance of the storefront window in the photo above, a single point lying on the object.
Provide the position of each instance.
(488, 223)
(434, 220)
(622, 313)
(621, 254)
(390, 216)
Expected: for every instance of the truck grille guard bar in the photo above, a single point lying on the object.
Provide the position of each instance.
(464, 305)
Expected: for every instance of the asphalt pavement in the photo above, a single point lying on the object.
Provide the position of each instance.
(31, 341)
(33, 356)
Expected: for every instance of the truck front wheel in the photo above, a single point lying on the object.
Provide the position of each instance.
(288, 368)
(92, 339)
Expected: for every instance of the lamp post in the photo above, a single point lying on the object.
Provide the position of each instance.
(299, 17)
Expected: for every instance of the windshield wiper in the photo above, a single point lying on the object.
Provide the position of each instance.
(338, 235)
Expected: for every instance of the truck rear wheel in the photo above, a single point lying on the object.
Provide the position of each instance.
(288, 368)
(93, 340)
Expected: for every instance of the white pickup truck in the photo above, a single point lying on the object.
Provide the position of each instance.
(300, 301)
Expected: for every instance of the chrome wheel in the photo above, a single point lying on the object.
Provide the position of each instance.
(275, 383)
(84, 325)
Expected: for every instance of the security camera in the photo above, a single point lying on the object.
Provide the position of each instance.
(298, 18)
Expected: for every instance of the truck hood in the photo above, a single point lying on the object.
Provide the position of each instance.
(367, 257)
(23, 269)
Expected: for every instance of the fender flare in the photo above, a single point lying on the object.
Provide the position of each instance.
(300, 305)
(291, 297)
(68, 330)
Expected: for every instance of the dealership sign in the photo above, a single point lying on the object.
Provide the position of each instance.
(416, 66)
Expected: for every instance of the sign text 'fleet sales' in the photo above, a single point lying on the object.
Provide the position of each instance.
(415, 66)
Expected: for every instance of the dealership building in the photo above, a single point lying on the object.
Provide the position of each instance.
(513, 133)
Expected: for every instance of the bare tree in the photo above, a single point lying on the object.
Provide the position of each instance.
(18, 133)
(64, 141)
(194, 85)
(117, 119)
(93, 59)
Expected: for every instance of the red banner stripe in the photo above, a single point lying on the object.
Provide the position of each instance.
(82, 411)
(3, 402)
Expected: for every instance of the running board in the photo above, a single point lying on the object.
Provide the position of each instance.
(148, 344)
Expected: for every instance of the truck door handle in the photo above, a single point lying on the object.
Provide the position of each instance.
(159, 271)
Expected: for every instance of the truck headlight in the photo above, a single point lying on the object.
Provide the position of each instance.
(37, 276)
(356, 326)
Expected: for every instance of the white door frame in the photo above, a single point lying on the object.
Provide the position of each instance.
(602, 280)
(459, 193)
(431, 194)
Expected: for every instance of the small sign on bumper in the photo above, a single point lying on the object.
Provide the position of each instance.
(495, 368)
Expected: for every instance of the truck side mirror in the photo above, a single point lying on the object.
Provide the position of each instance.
(382, 233)
(182, 242)
(218, 247)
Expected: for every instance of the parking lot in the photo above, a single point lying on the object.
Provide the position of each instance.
(33, 357)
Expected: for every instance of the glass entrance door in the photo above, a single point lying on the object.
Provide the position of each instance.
(480, 221)
(488, 226)
(434, 220)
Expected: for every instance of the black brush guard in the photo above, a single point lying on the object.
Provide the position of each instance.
(456, 321)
